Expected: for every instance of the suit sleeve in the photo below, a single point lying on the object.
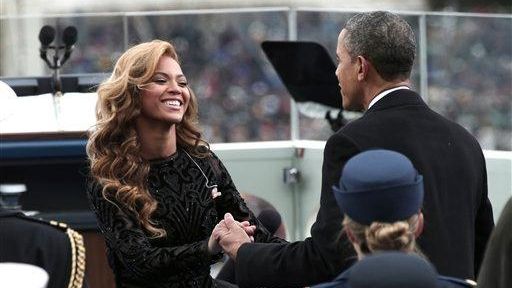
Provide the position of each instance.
(318, 258)
(484, 223)
(131, 248)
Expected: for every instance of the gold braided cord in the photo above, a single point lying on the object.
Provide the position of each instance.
(76, 279)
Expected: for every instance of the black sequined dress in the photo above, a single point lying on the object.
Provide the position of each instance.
(188, 214)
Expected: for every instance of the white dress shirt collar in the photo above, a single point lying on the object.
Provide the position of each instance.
(384, 93)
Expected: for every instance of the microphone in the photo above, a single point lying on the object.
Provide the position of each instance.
(46, 36)
(69, 37)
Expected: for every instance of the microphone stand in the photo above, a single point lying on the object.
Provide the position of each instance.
(57, 95)
(55, 67)
(56, 81)
(56, 72)
(69, 37)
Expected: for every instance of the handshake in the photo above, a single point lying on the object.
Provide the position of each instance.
(229, 235)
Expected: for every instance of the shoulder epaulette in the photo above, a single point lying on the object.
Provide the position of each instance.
(62, 226)
(76, 279)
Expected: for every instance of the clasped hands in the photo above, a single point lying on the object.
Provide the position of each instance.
(229, 235)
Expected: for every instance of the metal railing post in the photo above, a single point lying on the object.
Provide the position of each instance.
(423, 58)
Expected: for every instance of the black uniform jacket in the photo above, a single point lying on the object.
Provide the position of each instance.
(52, 246)
(458, 214)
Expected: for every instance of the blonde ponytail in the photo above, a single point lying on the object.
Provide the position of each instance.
(396, 236)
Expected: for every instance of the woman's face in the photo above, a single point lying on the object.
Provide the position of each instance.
(166, 96)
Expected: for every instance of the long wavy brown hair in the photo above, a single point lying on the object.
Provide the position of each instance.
(114, 149)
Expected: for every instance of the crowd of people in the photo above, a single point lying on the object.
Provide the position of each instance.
(460, 51)
(240, 96)
(242, 99)
(469, 76)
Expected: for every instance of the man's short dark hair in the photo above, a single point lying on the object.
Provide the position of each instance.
(385, 39)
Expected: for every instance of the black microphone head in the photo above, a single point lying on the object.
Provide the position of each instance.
(69, 36)
(46, 35)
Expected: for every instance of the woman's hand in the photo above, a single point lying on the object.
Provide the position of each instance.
(213, 244)
(248, 228)
(231, 234)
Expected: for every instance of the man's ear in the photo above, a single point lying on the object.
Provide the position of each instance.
(363, 66)
(419, 227)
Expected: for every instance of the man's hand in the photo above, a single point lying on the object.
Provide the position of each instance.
(232, 234)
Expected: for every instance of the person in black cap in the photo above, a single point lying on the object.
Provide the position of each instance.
(380, 194)
(375, 52)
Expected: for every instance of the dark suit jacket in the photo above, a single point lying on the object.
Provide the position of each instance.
(458, 214)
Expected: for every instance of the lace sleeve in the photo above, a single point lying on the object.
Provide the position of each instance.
(231, 201)
(131, 249)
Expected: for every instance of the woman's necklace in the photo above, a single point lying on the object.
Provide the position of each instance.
(214, 191)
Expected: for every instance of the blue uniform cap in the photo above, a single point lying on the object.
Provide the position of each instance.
(392, 270)
(379, 185)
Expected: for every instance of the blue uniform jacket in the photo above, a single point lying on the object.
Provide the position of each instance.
(444, 282)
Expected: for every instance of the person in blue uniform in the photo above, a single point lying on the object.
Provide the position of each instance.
(380, 194)
(388, 270)
(53, 246)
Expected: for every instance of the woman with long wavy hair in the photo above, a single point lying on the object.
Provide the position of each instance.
(380, 194)
(156, 188)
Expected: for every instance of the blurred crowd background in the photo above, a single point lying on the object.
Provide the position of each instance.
(468, 61)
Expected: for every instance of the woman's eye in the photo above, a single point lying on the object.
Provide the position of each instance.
(160, 81)
(183, 84)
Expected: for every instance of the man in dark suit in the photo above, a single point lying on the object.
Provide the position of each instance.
(375, 55)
